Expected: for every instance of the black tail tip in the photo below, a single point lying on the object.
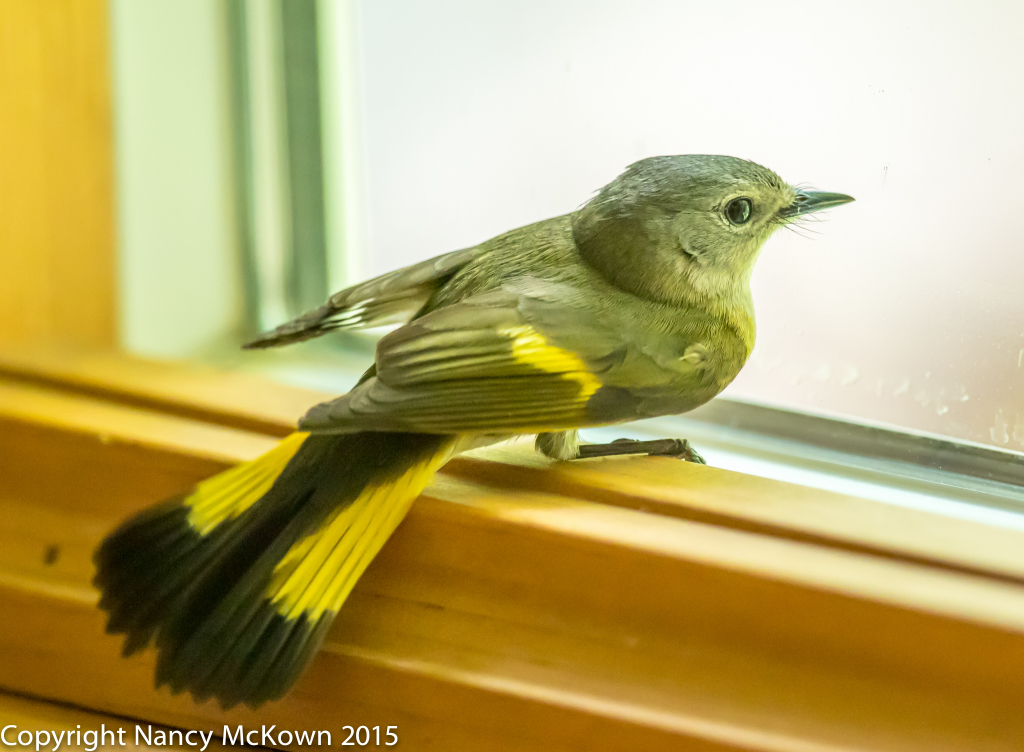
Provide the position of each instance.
(201, 600)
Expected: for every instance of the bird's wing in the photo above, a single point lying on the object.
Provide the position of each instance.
(392, 298)
(510, 361)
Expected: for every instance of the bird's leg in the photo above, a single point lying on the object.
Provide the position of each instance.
(678, 448)
(565, 445)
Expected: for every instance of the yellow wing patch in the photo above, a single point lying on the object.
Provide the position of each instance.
(230, 493)
(530, 346)
(318, 573)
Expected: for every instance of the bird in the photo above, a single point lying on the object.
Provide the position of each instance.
(636, 305)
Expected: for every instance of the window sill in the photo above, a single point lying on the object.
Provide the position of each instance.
(616, 604)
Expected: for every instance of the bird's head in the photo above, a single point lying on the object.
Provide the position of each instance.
(680, 228)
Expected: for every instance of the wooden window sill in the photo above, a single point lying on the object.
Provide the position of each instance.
(525, 605)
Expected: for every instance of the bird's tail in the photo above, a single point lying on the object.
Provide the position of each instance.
(238, 580)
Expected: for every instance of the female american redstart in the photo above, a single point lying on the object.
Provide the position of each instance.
(636, 305)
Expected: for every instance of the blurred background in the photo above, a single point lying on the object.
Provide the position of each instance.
(267, 152)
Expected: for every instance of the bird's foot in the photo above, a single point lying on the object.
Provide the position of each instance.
(678, 448)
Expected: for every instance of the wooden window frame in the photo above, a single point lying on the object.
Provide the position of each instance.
(523, 604)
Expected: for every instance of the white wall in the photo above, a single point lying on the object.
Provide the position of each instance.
(906, 308)
(179, 281)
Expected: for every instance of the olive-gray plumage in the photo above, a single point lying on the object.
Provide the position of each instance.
(634, 306)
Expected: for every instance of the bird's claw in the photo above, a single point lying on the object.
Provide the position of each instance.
(684, 450)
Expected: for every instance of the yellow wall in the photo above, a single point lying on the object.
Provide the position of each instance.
(56, 168)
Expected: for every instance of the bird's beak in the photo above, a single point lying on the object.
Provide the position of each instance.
(812, 201)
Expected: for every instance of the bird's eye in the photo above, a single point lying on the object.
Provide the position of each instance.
(738, 211)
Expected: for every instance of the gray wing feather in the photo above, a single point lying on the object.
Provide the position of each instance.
(392, 298)
(458, 369)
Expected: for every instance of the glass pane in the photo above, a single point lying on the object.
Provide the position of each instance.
(902, 308)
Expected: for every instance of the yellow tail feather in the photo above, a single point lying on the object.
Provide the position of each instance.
(230, 493)
(319, 571)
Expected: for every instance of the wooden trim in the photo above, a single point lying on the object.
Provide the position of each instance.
(761, 505)
(730, 499)
(56, 163)
(203, 394)
(529, 607)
